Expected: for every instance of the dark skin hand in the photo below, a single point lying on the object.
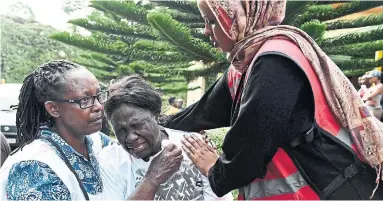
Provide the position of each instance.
(160, 170)
(202, 154)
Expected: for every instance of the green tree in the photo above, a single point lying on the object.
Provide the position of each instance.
(164, 38)
(25, 45)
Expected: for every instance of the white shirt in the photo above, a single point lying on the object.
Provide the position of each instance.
(121, 173)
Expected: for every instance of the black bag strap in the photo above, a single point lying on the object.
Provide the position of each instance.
(68, 164)
(348, 173)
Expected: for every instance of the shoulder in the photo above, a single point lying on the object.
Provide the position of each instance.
(275, 61)
(175, 136)
(273, 68)
(99, 141)
(113, 156)
(105, 140)
(34, 179)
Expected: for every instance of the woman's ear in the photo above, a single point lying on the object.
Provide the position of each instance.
(52, 108)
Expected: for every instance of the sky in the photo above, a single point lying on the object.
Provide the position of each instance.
(48, 12)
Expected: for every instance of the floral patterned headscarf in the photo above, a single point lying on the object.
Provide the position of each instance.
(249, 24)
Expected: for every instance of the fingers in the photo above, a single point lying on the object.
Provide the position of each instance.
(176, 152)
(209, 142)
(188, 153)
(198, 141)
(212, 148)
(170, 147)
(190, 148)
(202, 132)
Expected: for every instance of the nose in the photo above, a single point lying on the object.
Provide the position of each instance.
(97, 106)
(131, 137)
(207, 29)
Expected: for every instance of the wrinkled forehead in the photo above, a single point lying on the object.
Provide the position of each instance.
(127, 112)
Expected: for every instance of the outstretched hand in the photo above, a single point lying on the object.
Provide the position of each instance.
(203, 155)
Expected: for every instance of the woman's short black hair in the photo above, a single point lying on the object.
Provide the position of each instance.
(134, 90)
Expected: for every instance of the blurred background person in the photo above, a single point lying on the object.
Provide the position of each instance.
(364, 84)
(373, 100)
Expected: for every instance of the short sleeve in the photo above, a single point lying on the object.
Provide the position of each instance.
(34, 180)
(115, 185)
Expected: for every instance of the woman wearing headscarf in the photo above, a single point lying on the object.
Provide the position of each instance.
(298, 129)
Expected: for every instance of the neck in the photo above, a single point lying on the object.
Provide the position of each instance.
(77, 142)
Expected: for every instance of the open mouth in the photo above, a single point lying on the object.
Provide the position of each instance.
(136, 149)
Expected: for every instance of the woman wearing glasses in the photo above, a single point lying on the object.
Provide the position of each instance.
(58, 120)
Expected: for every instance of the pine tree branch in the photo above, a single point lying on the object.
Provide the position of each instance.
(370, 20)
(94, 64)
(90, 43)
(357, 49)
(103, 75)
(358, 37)
(125, 70)
(356, 72)
(122, 28)
(157, 56)
(177, 90)
(127, 40)
(180, 35)
(328, 12)
(352, 64)
(315, 29)
(195, 25)
(184, 17)
(151, 45)
(174, 69)
(329, 2)
(101, 58)
(214, 69)
(184, 6)
(146, 66)
(198, 33)
(124, 9)
(157, 78)
(293, 9)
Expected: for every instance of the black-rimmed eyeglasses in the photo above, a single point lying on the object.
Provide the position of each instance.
(87, 101)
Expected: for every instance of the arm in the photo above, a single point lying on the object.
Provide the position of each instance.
(146, 190)
(261, 126)
(211, 111)
(33, 180)
(378, 90)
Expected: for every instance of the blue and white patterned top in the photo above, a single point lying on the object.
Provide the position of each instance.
(34, 180)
